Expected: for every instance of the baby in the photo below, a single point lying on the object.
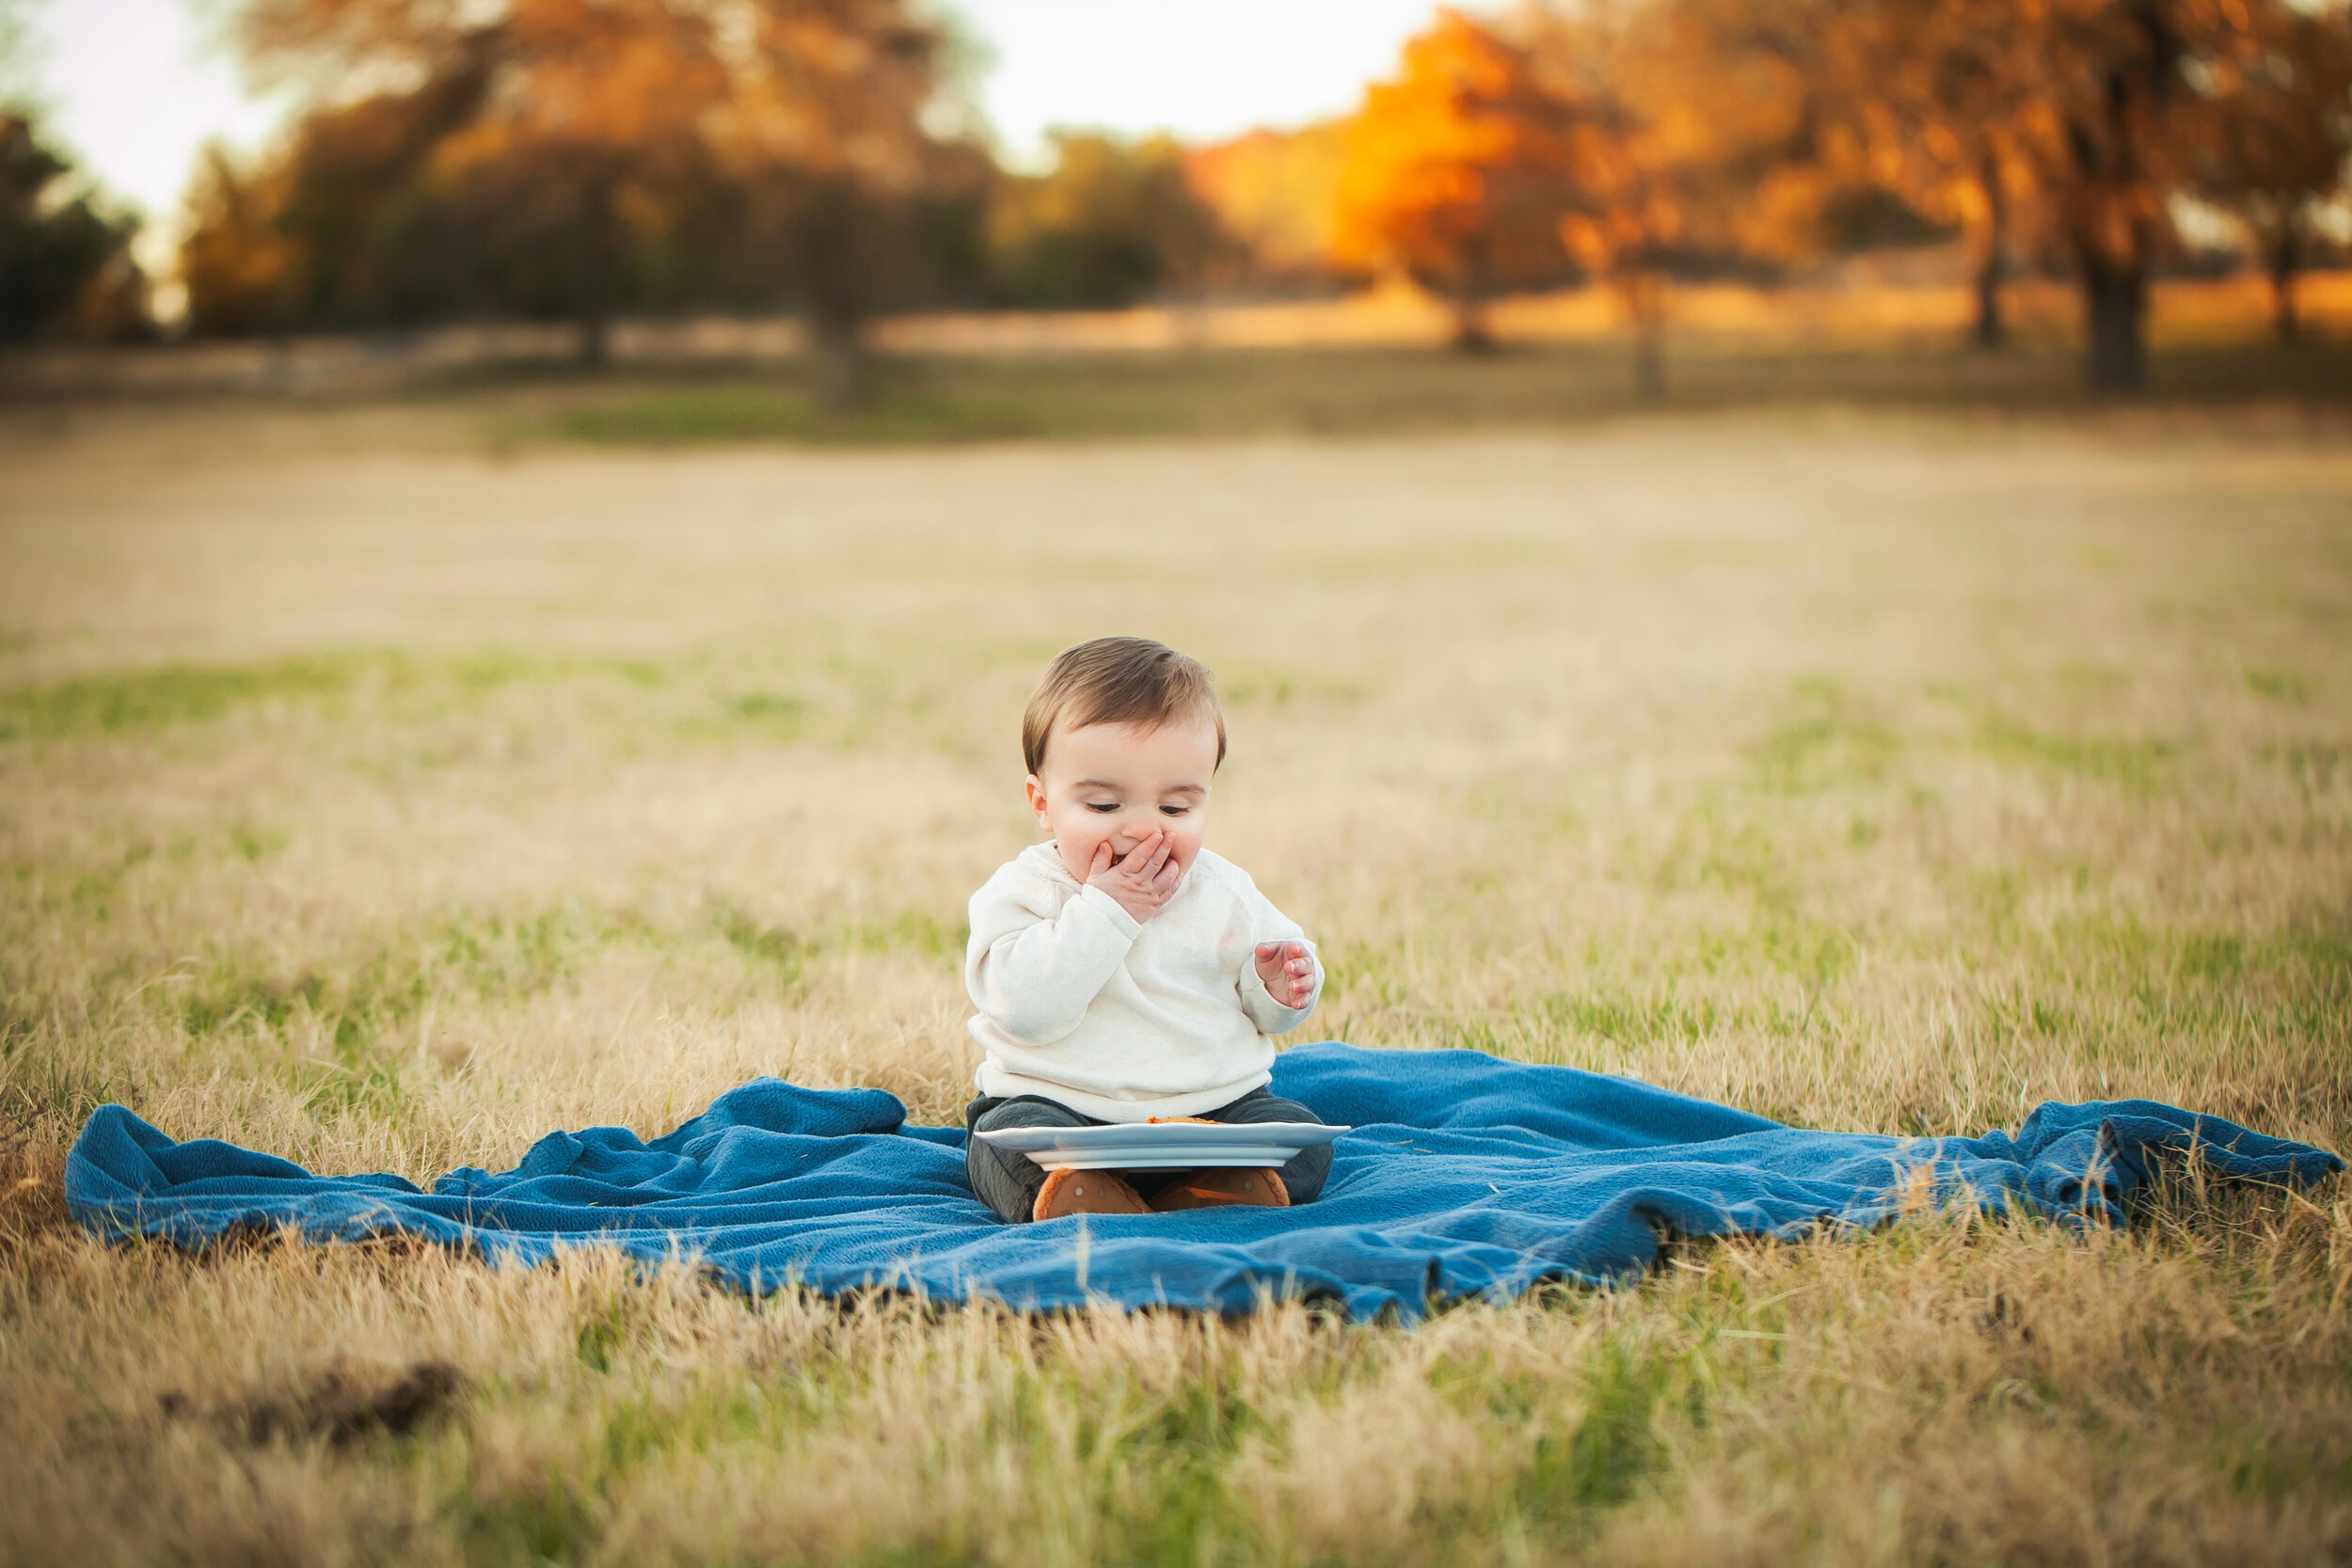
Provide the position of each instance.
(1123, 973)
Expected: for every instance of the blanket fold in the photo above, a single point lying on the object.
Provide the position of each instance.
(1465, 1175)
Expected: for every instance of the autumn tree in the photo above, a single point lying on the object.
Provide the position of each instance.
(1272, 192)
(2111, 131)
(2100, 135)
(584, 157)
(1937, 94)
(827, 130)
(575, 158)
(1624, 214)
(2271, 129)
(241, 272)
(1685, 152)
(1458, 172)
(340, 228)
(2088, 112)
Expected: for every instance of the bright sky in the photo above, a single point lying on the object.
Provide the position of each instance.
(135, 91)
(1204, 68)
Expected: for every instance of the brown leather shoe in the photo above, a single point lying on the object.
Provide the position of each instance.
(1086, 1192)
(1252, 1185)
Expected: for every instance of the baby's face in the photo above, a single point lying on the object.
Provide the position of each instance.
(1120, 783)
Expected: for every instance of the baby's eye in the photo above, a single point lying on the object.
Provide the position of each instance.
(1106, 807)
(1174, 811)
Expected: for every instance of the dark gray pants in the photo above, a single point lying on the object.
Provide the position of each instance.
(1008, 1182)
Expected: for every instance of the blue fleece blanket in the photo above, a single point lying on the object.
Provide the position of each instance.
(1465, 1175)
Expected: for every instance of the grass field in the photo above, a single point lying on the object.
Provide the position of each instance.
(384, 786)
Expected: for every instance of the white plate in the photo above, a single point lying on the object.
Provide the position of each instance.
(1163, 1145)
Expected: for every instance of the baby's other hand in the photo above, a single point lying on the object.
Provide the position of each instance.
(1289, 973)
(1144, 881)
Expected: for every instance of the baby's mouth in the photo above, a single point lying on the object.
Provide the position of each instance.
(1119, 857)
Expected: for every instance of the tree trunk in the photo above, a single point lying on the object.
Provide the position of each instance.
(1471, 291)
(2284, 262)
(1991, 331)
(1649, 362)
(595, 340)
(1643, 296)
(1472, 334)
(2115, 326)
(836, 348)
(599, 237)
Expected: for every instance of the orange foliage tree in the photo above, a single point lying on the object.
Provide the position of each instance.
(576, 157)
(1624, 139)
(1458, 172)
(1936, 94)
(1686, 149)
(1272, 191)
(1628, 216)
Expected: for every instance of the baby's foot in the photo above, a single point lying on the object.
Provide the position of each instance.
(1252, 1185)
(1086, 1192)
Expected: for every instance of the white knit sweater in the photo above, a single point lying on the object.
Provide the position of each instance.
(1117, 1018)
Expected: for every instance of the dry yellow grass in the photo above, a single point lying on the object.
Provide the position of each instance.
(387, 806)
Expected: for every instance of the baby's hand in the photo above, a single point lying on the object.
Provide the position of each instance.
(1288, 972)
(1144, 881)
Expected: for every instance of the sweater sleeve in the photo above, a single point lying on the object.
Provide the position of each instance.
(1032, 973)
(1268, 923)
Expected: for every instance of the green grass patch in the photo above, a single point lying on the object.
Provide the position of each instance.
(114, 702)
(1820, 752)
(1615, 1445)
(1821, 744)
(2117, 984)
(923, 933)
(344, 1012)
(554, 1522)
(162, 697)
(2280, 687)
(1624, 1018)
(898, 417)
(786, 716)
(2316, 766)
(468, 955)
(2136, 767)
(785, 953)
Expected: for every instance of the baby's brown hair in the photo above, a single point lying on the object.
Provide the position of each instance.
(1117, 680)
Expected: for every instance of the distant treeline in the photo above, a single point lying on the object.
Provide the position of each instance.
(581, 159)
